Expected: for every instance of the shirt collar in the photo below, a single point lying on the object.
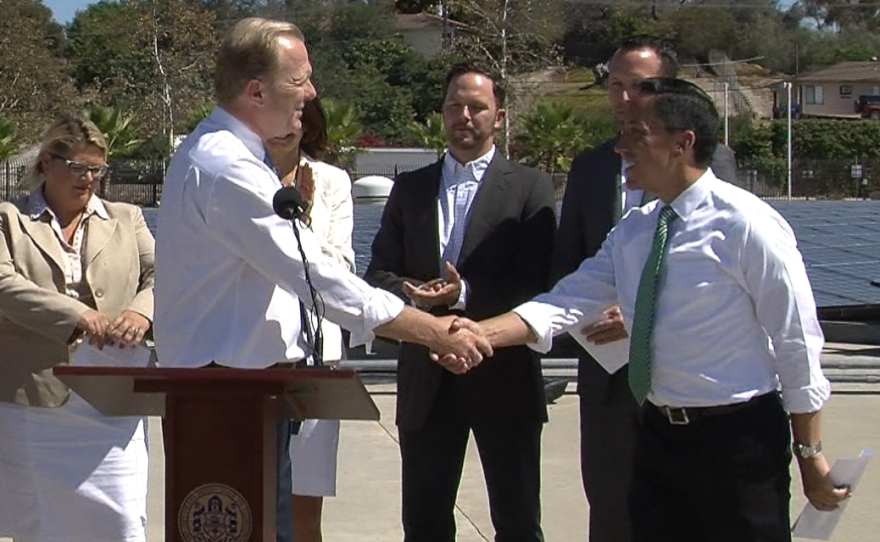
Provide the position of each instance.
(688, 201)
(477, 167)
(37, 206)
(240, 130)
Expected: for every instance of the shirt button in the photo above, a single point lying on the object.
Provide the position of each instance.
(99, 293)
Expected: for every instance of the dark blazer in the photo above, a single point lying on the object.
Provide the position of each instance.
(505, 259)
(590, 208)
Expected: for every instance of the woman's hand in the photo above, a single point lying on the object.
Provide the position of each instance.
(95, 324)
(128, 330)
(305, 183)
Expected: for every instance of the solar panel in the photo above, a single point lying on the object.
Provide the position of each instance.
(840, 243)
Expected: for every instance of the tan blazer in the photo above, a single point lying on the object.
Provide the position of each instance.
(37, 319)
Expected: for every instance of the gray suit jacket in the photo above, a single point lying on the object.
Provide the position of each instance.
(590, 208)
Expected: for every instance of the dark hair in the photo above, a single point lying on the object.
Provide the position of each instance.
(667, 56)
(681, 105)
(463, 68)
(314, 127)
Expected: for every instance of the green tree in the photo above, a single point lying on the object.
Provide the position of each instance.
(197, 115)
(9, 143)
(34, 83)
(430, 134)
(119, 130)
(551, 136)
(343, 129)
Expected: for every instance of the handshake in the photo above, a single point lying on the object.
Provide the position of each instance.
(463, 347)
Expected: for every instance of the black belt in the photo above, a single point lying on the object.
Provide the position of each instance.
(688, 415)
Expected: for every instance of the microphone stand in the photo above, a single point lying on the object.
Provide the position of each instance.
(314, 338)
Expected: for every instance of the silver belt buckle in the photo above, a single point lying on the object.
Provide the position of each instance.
(676, 416)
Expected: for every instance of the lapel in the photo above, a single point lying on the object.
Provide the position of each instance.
(615, 164)
(99, 233)
(42, 235)
(427, 218)
(488, 199)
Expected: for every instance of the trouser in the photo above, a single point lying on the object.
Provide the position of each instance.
(609, 424)
(722, 478)
(433, 458)
(284, 514)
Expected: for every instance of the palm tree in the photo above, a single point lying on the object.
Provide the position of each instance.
(8, 139)
(430, 134)
(119, 130)
(552, 134)
(343, 129)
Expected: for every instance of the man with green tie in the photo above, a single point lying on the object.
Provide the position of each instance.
(724, 344)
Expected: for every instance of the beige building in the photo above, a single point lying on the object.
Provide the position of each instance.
(427, 33)
(833, 91)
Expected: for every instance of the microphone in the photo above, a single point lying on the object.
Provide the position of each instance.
(288, 203)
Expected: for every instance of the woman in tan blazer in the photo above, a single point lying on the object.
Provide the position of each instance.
(72, 268)
(327, 190)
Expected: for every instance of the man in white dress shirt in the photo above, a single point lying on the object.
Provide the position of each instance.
(729, 322)
(231, 276)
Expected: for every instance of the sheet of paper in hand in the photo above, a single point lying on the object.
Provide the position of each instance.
(87, 355)
(611, 356)
(819, 525)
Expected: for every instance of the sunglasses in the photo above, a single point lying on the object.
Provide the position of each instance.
(670, 85)
(79, 169)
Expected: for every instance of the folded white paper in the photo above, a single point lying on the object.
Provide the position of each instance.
(819, 525)
(87, 355)
(611, 356)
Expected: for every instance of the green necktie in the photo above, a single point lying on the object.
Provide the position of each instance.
(640, 345)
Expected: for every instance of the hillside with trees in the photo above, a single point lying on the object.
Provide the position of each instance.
(149, 62)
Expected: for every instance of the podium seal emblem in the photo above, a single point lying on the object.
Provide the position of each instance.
(214, 513)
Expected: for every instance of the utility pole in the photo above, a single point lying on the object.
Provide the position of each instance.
(788, 86)
(726, 114)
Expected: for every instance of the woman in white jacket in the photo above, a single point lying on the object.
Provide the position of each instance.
(327, 190)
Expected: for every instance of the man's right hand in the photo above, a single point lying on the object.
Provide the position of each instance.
(463, 348)
(95, 325)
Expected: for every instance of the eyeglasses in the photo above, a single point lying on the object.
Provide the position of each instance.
(670, 85)
(79, 169)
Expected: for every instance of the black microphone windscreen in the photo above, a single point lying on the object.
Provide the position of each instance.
(287, 203)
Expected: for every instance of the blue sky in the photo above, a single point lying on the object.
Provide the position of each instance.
(64, 10)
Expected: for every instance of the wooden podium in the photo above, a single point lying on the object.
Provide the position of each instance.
(220, 435)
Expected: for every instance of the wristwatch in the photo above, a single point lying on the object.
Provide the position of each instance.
(806, 451)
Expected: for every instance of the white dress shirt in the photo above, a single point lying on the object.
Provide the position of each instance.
(458, 189)
(735, 315)
(228, 271)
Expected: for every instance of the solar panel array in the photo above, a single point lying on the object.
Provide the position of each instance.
(840, 242)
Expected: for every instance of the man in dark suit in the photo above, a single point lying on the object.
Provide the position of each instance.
(595, 199)
(487, 225)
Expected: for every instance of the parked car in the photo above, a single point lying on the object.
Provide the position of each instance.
(868, 107)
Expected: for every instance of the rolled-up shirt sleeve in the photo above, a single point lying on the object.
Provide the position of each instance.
(267, 242)
(584, 293)
(776, 278)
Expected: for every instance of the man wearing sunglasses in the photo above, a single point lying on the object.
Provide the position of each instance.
(725, 343)
(596, 197)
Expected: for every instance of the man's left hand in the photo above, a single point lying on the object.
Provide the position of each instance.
(438, 292)
(606, 330)
(817, 485)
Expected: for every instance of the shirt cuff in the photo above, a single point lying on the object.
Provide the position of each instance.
(381, 308)
(534, 315)
(808, 399)
(461, 304)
